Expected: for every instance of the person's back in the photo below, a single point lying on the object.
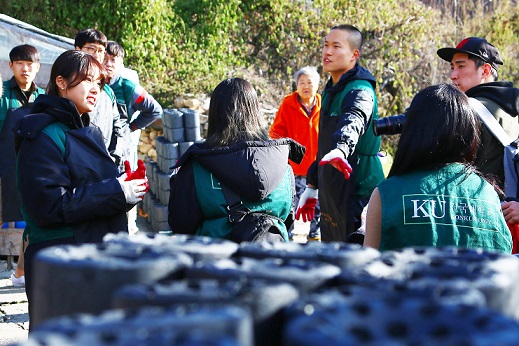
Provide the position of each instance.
(261, 190)
(445, 207)
(239, 154)
(433, 196)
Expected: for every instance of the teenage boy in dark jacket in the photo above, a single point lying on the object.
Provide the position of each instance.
(347, 167)
(19, 94)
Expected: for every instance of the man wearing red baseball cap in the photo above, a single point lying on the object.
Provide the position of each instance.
(474, 65)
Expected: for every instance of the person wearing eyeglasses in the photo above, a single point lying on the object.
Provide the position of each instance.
(105, 115)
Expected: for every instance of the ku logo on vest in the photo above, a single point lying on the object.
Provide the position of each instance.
(448, 210)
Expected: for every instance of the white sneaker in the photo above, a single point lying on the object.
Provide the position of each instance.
(18, 282)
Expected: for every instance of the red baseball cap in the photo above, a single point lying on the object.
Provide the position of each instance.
(475, 46)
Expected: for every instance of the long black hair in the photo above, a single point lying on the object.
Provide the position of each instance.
(234, 114)
(441, 128)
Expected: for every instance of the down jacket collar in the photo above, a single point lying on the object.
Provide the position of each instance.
(253, 169)
(47, 109)
(503, 93)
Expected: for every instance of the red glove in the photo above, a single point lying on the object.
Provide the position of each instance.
(514, 230)
(336, 159)
(307, 203)
(139, 173)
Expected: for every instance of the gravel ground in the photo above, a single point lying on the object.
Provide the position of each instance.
(14, 318)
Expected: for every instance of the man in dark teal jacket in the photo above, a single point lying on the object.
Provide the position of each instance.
(347, 167)
(19, 93)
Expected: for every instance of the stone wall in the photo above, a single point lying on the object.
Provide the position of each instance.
(198, 103)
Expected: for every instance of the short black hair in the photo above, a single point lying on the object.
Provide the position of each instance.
(115, 49)
(24, 52)
(90, 36)
(355, 38)
(480, 62)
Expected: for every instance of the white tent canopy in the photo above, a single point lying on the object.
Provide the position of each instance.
(14, 32)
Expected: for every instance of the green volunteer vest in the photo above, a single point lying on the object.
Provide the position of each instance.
(442, 208)
(369, 168)
(212, 203)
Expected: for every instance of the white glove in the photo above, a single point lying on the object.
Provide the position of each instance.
(307, 203)
(133, 189)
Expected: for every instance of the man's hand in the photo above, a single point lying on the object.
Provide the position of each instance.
(307, 203)
(510, 211)
(337, 159)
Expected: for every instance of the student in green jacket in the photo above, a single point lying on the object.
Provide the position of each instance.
(19, 94)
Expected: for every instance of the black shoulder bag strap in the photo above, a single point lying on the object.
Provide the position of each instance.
(236, 211)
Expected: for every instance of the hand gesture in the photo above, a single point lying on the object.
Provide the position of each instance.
(336, 159)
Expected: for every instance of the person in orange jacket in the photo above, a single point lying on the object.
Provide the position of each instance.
(298, 118)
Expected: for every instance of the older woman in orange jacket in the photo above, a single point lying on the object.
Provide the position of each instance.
(298, 118)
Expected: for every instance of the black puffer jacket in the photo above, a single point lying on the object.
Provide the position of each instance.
(252, 169)
(502, 100)
(65, 177)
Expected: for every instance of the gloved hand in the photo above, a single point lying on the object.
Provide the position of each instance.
(139, 173)
(134, 190)
(336, 158)
(307, 203)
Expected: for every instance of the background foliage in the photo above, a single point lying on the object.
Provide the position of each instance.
(189, 46)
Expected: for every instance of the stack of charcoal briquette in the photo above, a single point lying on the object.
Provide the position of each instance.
(181, 128)
(158, 290)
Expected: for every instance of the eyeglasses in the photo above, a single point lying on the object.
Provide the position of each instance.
(93, 50)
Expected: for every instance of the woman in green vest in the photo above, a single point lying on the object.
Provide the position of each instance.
(239, 154)
(433, 195)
